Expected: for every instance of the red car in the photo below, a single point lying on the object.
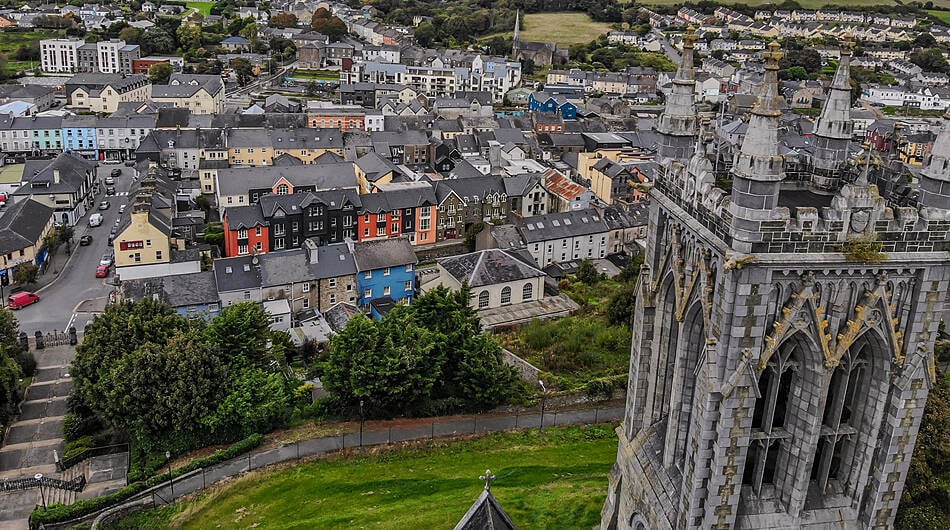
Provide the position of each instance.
(22, 299)
(102, 271)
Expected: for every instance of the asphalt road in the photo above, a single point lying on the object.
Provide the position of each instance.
(59, 303)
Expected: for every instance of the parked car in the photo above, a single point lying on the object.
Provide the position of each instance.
(130, 163)
(22, 299)
(95, 219)
(109, 181)
(85, 241)
(116, 172)
(102, 271)
(110, 190)
(106, 260)
(104, 205)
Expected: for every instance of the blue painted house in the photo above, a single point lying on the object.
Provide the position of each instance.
(79, 136)
(386, 269)
(544, 102)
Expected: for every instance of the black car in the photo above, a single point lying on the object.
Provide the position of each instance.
(85, 241)
(110, 190)
(115, 172)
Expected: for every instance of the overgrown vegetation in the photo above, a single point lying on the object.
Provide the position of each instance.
(864, 250)
(169, 383)
(15, 363)
(590, 350)
(421, 359)
(550, 479)
(925, 504)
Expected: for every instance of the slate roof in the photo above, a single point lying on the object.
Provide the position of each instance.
(72, 174)
(244, 217)
(486, 514)
(562, 224)
(22, 224)
(339, 315)
(197, 288)
(480, 186)
(236, 274)
(238, 180)
(382, 253)
(333, 261)
(399, 195)
(284, 267)
(488, 267)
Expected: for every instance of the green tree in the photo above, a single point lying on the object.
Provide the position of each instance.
(51, 242)
(925, 504)
(925, 40)
(587, 272)
(327, 24)
(189, 37)
(120, 329)
(160, 73)
(283, 20)
(130, 34)
(249, 32)
(258, 401)
(387, 365)
(242, 69)
(157, 41)
(242, 331)
(26, 273)
(931, 60)
(425, 34)
(620, 307)
(796, 73)
(160, 392)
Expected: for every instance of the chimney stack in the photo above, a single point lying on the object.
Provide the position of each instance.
(55, 176)
(313, 254)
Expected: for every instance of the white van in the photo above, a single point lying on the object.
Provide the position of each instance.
(95, 219)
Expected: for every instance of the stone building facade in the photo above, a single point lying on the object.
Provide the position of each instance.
(783, 337)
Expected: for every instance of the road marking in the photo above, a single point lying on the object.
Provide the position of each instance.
(70, 323)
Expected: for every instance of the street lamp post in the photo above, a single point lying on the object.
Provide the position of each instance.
(39, 477)
(171, 483)
(544, 391)
(361, 423)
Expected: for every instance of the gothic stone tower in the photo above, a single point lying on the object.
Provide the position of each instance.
(780, 364)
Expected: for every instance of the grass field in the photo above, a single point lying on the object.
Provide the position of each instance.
(11, 40)
(203, 7)
(554, 479)
(322, 75)
(562, 28)
(11, 174)
(942, 15)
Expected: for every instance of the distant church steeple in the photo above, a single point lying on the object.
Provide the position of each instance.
(517, 35)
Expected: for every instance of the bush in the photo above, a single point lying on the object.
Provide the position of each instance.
(58, 513)
(27, 362)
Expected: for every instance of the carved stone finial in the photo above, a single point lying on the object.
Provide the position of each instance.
(773, 55)
(690, 38)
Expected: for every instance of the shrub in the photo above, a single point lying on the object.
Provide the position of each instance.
(58, 513)
(27, 362)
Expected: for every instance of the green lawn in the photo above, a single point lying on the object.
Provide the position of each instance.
(203, 7)
(323, 75)
(562, 28)
(11, 174)
(944, 16)
(554, 479)
(11, 40)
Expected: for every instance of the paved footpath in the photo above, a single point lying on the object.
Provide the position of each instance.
(379, 433)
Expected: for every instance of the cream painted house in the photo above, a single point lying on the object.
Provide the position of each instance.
(201, 94)
(145, 239)
(497, 278)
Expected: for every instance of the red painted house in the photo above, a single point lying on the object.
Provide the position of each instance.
(245, 231)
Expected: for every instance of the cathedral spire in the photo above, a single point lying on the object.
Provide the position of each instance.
(834, 128)
(758, 169)
(935, 177)
(677, 124)
(517, 35)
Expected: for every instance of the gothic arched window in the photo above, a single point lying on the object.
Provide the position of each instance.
(840, 421)
(768, 418)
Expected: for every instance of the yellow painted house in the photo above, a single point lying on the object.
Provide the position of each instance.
(145, 239)
(22, 229)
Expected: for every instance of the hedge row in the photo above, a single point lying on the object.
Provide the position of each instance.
(59, 513)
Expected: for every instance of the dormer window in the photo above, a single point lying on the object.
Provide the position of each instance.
(283, 189)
